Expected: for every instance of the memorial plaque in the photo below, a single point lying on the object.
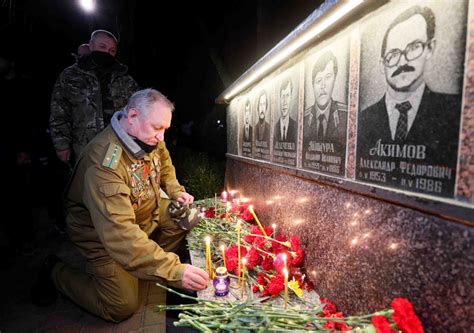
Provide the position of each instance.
(285, 117)
(411, 71)
(325, 115)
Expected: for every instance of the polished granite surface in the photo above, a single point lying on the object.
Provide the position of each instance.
(362, 252)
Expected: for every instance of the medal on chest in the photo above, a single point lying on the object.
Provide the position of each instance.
(139, 182)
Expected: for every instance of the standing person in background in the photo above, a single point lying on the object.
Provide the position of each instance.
(86, 95)
(84, 98)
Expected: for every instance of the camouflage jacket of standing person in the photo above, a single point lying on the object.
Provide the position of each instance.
(78, 112)
(113, 204)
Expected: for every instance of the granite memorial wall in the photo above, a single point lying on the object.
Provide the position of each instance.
(363, 145)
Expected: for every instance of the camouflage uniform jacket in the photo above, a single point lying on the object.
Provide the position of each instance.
(113, 204)
(77, 113)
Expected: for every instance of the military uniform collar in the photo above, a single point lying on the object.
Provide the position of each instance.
(86, 63)
(127, 141)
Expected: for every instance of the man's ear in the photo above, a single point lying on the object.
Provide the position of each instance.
(132, 115)
(431, 47)
(381, 66)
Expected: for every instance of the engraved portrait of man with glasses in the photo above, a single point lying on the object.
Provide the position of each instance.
(409, 138)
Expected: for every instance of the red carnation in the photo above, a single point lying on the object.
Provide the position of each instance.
(246, 216)
(295, 243)
(277, 247)
(254, 230)
(262, 278)
(381, 324)
(297, 261)
(253, 258)
(209, 213)
(276, 285)
(328, 308)
(404, 316)
(261, 243)
(267, 263)
(232, 257)
(336, 325)
(243, 211)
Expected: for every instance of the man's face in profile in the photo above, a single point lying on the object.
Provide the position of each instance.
(323, 85)
(285, 96)
(262, 107)
(407, 75)
(247, 114)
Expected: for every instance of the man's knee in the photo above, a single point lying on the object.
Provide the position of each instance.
(122, 310)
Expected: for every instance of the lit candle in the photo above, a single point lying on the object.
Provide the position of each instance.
(224, 196)
(208, 256)
(238, 246)
(256, 219)
(223, 254)
(274, 226)
(244, 263)
(285, 273)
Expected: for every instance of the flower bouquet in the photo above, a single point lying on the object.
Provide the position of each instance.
(270, 267)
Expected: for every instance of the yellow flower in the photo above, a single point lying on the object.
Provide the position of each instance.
(293, 285)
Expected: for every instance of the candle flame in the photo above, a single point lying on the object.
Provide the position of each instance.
(207, 239)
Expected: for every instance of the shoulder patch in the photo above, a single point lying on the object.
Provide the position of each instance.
(112, 156)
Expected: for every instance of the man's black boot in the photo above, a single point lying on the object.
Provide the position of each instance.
(43, 292)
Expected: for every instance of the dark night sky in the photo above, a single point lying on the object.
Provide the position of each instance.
(167, 45)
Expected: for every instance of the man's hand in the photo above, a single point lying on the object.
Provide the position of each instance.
(185, 198)
(64, 155)
(194, 278)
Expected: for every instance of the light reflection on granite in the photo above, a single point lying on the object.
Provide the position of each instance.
(362, 252)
